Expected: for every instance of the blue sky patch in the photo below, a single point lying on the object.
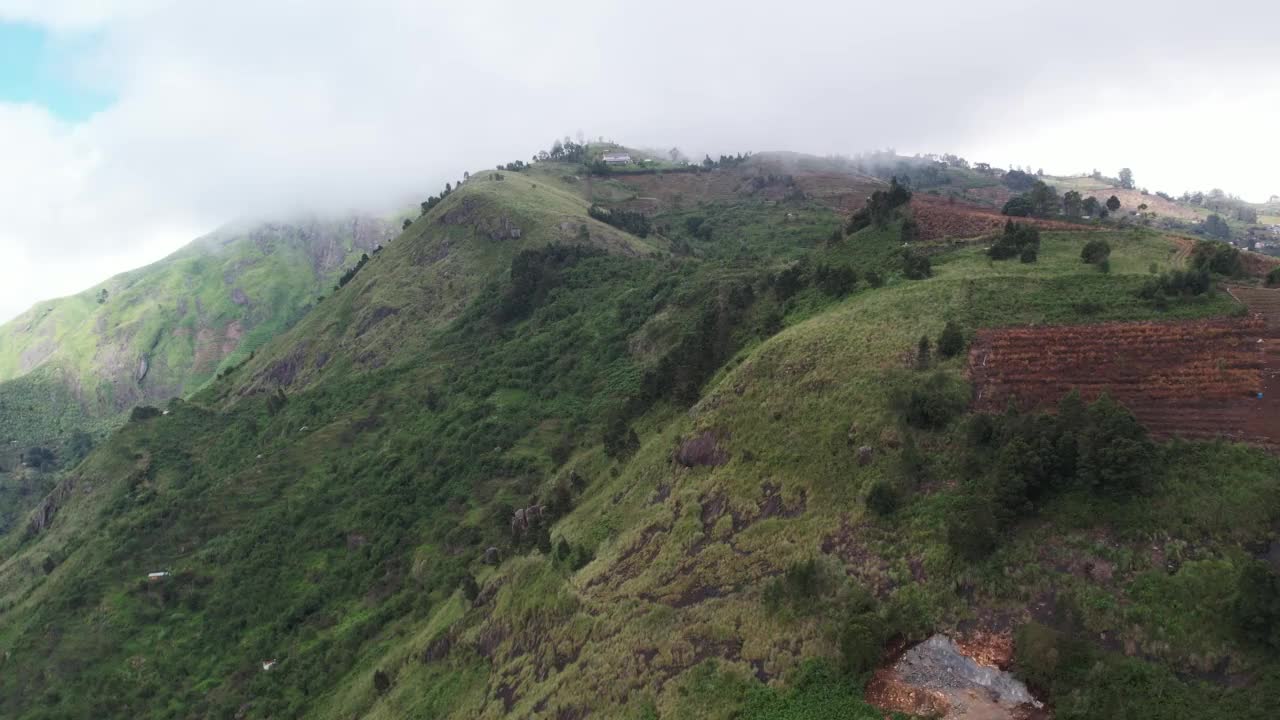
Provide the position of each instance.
(37, 68)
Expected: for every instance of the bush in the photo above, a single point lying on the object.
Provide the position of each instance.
(1014, 242)
(882, 499)
(1273, 277)
(1028, 255)
(916, 266)
(931, 405)
(1095, 251)
(874, 279)
(971, 528)
(801, 586)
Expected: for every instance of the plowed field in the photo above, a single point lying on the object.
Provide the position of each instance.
(940, 219)
(1193, 379)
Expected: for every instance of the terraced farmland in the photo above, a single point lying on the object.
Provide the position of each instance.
(1192, 379)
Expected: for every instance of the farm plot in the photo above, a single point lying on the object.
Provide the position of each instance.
(1192, 379)
(939, 218)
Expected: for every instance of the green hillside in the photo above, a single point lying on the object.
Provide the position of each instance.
(77, 364)
(690, 409)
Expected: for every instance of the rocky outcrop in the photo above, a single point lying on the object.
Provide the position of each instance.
(471, 212)
(42, 516)
(702, 449)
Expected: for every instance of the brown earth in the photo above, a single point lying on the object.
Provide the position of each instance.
(1196, 379)
(941, 218)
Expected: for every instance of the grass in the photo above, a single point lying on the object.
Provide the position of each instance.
(424, 429)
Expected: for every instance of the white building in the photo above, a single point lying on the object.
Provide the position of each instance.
(617, 159)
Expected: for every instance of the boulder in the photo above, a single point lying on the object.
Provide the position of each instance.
(864, 455)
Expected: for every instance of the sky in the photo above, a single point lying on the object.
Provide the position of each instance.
(129, 128)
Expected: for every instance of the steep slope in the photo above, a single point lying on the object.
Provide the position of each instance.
(75, 365)
(589, 479)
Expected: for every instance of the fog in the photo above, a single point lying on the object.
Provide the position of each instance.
(239, 109)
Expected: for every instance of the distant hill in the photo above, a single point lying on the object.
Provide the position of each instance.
(77, 364)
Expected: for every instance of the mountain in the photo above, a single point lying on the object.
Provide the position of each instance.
(673, 441)
(71, 368)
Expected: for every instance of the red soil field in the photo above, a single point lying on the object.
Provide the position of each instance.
(940, 219)
(1197, 379)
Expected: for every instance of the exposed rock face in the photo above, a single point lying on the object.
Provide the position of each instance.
(471, 212)
(42, 516)
(143, 367)
(702, 449)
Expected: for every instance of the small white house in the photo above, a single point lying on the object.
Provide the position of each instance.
(617, 159)
(156, 576)
(268, 664)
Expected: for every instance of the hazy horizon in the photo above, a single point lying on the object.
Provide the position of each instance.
(131, 128)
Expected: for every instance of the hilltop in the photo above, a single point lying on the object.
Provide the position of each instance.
(671, 440)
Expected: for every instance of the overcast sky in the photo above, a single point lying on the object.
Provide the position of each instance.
(129, 127)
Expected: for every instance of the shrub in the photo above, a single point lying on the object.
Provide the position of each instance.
(1028, 255)
(801, 586)
(1095, 251)
(1273, 277)
(882, 499)
(874, 279)
(861, 644)
(381, 682)
(143, 412)
(1257, 604)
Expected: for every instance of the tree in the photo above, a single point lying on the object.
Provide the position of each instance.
(1126, 178)
(405, 225)
(971, 528)
(1018, 206)
(1095, 251)
(1091, 206)
(951, 341)
(1043, 197)
(882, 499)
(1115, 453)
(1215, 226)
(1072, 204)
(381, 682)
(910, 230)
(1113, 203)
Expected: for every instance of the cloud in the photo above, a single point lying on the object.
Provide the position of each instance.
(239, 108)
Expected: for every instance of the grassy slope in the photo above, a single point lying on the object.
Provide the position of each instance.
(71, 364)
(449, 424)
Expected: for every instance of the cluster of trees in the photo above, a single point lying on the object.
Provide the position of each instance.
(515, 166)
(881, 208)
(834, 280)
(38, 457)
(1222, 203)
(435, 200)
(1216, 257)
(1018, 240)
(1100, 447)
(636, 223)
(1273, 277)
(1177, 284)
(565, 150)
(351, 272)
(1042, 200)
(725, 161)
(1257, 604)
(534, 273)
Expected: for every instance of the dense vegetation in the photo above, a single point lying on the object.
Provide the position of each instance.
(686, 417)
